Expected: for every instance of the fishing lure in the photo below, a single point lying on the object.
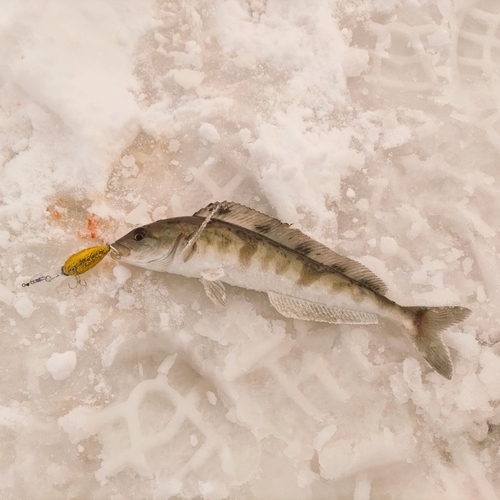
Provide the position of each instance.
(76, 264)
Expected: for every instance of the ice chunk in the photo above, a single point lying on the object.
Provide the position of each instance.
(363, 205)
(109, 353)
(77, 423)
(208, 133)
(399, 388)
(438, 38)
(293, 449)
(427, 130)
(395, 136)
(363, 488)
(212, 398)
(355, 62)
(420, 277)
(20, 145)
(13, 416)
(245, 136)
(467, 264)
(306, 476)
(472, 395)
(388, 245)
(324, 435)
(139, 215)
(93, 317)
(61, 365)
(335, 460)
(6, 296)
(490, 373)
(4, 238)
(481, 294)
(188, 78)
(166, 364)
(432, 265)
(122, 274)
(128, 161)
(24, 306)
(350, 234)
(453, 255)
(174, 145)
(126, 300)
(343, 459)
(412, 374)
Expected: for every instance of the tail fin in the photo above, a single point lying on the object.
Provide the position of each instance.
(430, 323)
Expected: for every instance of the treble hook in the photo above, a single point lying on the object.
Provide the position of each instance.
(79, 280)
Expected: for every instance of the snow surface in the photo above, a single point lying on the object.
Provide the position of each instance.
(374, 126)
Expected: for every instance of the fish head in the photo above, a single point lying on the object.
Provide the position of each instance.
(151, 246)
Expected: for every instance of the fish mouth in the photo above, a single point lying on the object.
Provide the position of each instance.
(118, 251)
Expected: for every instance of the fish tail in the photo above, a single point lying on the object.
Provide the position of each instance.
(430, 323)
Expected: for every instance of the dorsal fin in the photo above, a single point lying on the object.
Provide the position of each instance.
(294, 239)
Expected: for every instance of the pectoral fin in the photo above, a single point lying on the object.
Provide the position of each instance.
(215, 291)
(292, 307)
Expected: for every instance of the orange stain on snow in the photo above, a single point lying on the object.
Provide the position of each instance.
(92, 225)
(93, 228)
(65, 214)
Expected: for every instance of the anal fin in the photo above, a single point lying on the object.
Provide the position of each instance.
(292, 307)
(215, 291)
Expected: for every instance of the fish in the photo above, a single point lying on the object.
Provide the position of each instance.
(229, 243)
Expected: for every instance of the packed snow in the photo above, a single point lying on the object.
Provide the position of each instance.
(373, 126)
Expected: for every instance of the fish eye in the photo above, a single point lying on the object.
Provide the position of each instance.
(139, 234)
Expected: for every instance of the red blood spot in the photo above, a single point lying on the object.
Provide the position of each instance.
(91, 225)
(94, 226)
(53, 213)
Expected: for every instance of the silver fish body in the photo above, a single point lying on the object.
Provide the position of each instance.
(303, 279)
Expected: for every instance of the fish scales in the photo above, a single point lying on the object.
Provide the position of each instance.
(230, 243)
(292, 270)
